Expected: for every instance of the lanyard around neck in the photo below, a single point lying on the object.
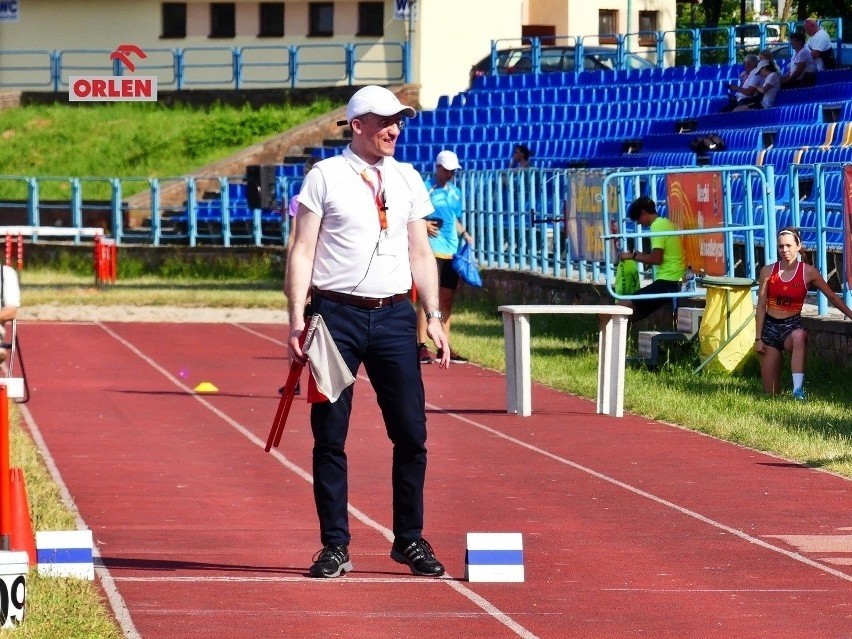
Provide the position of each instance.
(378, 192)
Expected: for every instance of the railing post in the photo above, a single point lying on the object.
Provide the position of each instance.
(237, 64)
(294, 65)
(226, 210)
(76, 207)
(406, 63)
(155, 211)
(33, 212)
(696, 48)
(191, 211)
(177, 61)
(55, 71)
(349, 50)
(116, 209)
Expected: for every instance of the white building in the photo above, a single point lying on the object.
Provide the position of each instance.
(446, 36)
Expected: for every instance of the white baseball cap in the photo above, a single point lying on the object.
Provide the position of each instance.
(378, 100)
(448, 160)
(762, 64)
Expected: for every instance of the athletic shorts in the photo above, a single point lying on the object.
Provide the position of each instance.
(447, 276)
(776, 331)
(644, 308)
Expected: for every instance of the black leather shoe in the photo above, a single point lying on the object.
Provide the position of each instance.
(331, 561)
(419, 557)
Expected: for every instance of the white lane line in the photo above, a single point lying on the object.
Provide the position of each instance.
(116, 601)
(347, 579)
(659, 500)
(483, 603)
(685, 511)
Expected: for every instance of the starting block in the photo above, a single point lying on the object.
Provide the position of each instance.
(494, 557)
(65, 553)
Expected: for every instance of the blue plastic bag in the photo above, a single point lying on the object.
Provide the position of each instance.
(465, 266)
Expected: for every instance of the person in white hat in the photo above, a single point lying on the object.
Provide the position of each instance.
(445, 230)
(361, 242)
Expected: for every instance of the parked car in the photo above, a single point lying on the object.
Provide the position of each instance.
(555, 59)
(748, 35)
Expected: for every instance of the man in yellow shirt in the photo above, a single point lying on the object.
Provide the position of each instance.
(666, 255)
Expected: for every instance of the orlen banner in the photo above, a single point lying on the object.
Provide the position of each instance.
(695, 202)
(847, 233)
(583, 210)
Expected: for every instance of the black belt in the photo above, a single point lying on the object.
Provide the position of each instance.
(361, 302)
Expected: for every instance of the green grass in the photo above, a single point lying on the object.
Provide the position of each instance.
(129, 139)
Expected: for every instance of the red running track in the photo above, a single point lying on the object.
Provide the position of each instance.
(631, 528)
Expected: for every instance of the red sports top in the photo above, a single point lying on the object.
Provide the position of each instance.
(786, 296)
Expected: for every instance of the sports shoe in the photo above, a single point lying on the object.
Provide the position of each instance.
(297, 391)
(331, 561)
(454, 357)
(419, 557)
(799, 394)
(424, 355)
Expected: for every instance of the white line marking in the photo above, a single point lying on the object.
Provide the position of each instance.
(116, 601)
(483, 603)
(638, 491)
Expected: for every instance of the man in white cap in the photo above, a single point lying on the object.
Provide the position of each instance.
(361, 240)
(445, 228)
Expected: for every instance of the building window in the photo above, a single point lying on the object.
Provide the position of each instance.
(371, 19)
(222, 20)
(607, 26)
(271, 17)
(647, 27)
(174, 20)
(321, 19)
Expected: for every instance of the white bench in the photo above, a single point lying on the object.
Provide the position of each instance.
(612, 350)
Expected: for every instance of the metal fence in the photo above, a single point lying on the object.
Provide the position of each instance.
(294, 66)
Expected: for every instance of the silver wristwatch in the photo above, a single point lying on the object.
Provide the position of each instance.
(435, 314)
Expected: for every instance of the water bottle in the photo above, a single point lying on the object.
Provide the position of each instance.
(689, 280)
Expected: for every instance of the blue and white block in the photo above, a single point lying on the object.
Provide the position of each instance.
(494, 557)
(65, 553)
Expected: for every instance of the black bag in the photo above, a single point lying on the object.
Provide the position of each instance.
(707, 143)
(828, 60)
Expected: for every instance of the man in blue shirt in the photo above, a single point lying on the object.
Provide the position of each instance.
(445, 232)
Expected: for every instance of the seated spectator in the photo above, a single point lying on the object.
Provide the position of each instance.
(766, 92)
(746, 85)
(819, 44)
(521, 155)
(801, 71)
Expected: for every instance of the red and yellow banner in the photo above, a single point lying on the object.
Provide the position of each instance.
(695, 202)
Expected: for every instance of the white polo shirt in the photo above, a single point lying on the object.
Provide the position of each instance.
(351, 255)
(819, 41)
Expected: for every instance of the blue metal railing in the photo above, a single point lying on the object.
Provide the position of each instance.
(305, 65)
(688, 47)
(547, 221)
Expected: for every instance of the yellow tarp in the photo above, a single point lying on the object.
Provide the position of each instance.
(728, 309)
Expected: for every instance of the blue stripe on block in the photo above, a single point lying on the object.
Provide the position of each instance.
(494, 558)
(64, 555)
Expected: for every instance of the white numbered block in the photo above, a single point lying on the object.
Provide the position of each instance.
(494, 557)
(14, 566)
(65, 553)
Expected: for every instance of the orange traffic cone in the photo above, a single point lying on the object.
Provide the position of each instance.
(21, 536)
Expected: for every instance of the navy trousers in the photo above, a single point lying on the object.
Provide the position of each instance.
(385, 341)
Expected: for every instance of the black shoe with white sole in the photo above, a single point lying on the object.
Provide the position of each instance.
(331, 561)
(419, 557)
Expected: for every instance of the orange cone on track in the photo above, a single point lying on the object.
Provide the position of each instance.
(21, 536)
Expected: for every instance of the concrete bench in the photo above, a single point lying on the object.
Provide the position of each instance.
(612, 347)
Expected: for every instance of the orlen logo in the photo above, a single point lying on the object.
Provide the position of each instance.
(115, 88)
